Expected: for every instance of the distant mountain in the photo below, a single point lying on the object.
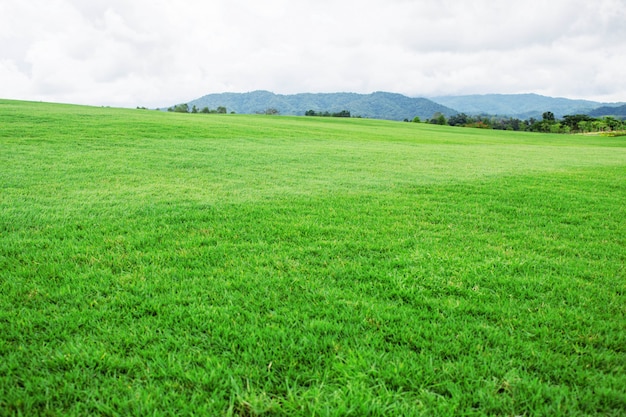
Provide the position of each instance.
(523, 106)
(391, 106)
(617, 111)
(379, 105)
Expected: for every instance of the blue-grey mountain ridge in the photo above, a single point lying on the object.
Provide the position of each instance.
(393, 106)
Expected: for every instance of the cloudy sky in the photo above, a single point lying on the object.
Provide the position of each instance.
(160, 52)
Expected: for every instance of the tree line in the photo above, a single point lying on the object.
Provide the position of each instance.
(577, 123)
(342, 113)
(184, 108)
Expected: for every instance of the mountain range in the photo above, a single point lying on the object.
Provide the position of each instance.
(393, 106)
(521, 106)
(379, 105)
(616, 111)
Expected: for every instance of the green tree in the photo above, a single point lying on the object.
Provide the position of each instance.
(438, 119)
(599, 126)
(548, 117)
(181, 108)
(584, 126)
(573, 120)
(459, 119)
(612, 123)
(221, 110)
(555, 128)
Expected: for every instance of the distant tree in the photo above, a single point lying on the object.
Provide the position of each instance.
(417, 119)
(221, 110)
(599, 126)
(542, 126)
(438, 119)
(612, 123)
(507, 123)
(480, 124)
(180, 108)
(555, 128)
(584, 126)
(548, 117)
(572, 121)
(459, 119)
(271, 111)
(516, 124)
(205, 110)
(342, 113)
(194, 109)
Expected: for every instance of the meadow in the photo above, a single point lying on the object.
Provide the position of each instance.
(182, 264)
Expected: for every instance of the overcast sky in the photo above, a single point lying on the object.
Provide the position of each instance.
(161, 52)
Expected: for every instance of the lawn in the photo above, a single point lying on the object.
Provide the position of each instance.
(185, 264)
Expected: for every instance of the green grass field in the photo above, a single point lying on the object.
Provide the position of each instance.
(176, 264)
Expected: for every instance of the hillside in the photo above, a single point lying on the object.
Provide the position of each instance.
(156, 263)
(392, 106)
(379, 105)
(617, 111)
(523, 106)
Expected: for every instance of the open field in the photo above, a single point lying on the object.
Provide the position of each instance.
(175, 264)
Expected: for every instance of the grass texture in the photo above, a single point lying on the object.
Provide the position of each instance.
(177, 264)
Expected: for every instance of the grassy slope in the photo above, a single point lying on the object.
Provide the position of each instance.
(157, 262)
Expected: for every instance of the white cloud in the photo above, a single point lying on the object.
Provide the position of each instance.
(156, 53)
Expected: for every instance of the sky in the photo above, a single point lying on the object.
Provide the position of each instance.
(155, 53)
